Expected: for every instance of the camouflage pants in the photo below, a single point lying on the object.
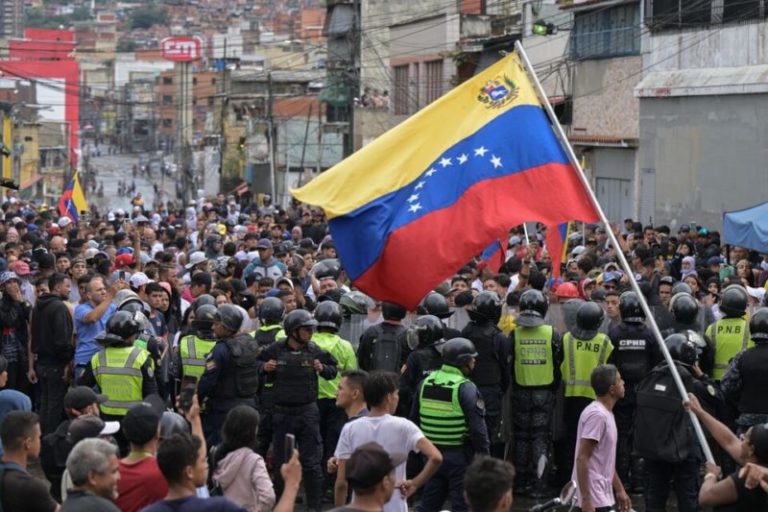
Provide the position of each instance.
(532, 425)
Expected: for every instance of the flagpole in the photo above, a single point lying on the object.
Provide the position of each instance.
(619, 253)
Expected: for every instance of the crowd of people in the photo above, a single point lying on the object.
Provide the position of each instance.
(196, 360)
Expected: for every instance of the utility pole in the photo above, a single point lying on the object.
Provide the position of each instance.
(271, 140)
(354, 86)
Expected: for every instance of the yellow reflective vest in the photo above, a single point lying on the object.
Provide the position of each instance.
(193, 351)
(117, 371)
(534, 359)
(580, 358)
(729, 336)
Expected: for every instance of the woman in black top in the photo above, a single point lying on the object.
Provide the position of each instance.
(731, 493)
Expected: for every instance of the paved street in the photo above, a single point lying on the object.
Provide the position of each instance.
(110, 169)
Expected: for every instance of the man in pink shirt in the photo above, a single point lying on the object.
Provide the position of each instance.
(595, 467)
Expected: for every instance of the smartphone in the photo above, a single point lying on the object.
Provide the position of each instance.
(188, 389)
(290, 446)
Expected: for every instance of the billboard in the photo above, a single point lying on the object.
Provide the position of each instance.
(181, 48)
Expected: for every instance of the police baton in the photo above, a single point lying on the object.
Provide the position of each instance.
(622, 259)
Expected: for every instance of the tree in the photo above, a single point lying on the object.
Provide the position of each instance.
(145, 17)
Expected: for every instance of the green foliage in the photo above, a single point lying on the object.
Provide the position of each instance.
(36, 18)
(145, 17)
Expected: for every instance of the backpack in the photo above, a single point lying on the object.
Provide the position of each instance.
(385, 350)
(244, 350)
(663, 431)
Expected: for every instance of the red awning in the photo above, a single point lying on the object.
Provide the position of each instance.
(31, 181)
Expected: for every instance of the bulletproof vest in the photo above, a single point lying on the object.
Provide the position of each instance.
(426, 360)
(754, 380)
(265, 335)
(244, 351)
(486, 372)
(632, 354)
(295, 378)
(663, 431)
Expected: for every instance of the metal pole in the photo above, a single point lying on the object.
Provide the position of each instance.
(271, 129)
(622, 259)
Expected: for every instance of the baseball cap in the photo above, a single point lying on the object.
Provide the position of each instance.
(369, 464)
(122, 261)
(64, 222)
(139, 279)
(140, 423)
(264, 243)
(84, 427)
(195, 258)
(81, 397)
(7, 276)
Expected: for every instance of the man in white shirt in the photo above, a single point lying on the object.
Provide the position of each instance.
(394, 434)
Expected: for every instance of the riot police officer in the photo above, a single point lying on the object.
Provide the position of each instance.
(634, 354)
(491, 373)
(195, 346)
(656, 426)
(271, 314)
(123, 372)
(449, 409)
(292, 365)
(729, 335)
(231, 375)
(536, 357)
(746, 379)
(332, 419)
(687, 316)
(584, 348)
(437, 305)
(426, 336)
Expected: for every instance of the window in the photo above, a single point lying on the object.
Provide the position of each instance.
(194, 80)
(433, 80)
(167, 80)
(676, 14)
(167, 123)
(737, 10)
(401, 90)
(167, 99)
(213, 81)
(606, 33)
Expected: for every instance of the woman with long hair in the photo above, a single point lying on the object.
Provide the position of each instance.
(238, 469)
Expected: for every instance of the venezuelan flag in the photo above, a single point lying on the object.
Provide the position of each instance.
(72, 200)
(557, 245)
(412, 207)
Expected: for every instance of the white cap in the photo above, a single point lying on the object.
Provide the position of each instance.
(139, 279)
(195, 258)
(64, 222)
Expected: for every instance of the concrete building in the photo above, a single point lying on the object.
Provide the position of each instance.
(11, 18)
(703, 106)
(604, 50)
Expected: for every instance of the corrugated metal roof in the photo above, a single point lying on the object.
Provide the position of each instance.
(704, 82)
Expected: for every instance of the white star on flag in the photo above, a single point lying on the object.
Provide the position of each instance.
(430, 172)
(414, 208)
(419, 185)
(413, 198)
(496, 161)
(481, 151)
(445, 162)
(463, 158)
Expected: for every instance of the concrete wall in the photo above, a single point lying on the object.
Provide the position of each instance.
(604, 102)
(702, 156)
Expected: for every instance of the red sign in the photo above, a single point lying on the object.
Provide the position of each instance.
(181, 48)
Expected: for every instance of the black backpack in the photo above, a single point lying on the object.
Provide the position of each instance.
(663, 431)
(244, 351)
(385, 350)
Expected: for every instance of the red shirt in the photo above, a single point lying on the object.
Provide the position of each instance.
(140, 485)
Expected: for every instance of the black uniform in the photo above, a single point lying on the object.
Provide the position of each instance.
(491, 374)
(265, 336)
(294, 387)
(421, 362)
(231, 378)
(745, 384)
(635, 353)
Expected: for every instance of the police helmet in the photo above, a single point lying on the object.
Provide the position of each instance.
(588, 319)
(296, 319)
(355, 303)
(392, 311)
(271, 311)
(205, 315)
(434, 304)
(733, 301)
(222, 264)
(533, 308)
(328, 314)
(458, 352)
(426, 330)
(684, 308)
(327, 268)
(682, 350)
(203, 299)
(758, 325)
(132, 305)
(212, 239)
(229, 316)
(122, 324)
(486, 307)
(630, 308)
(172, 423)
(681, 287)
